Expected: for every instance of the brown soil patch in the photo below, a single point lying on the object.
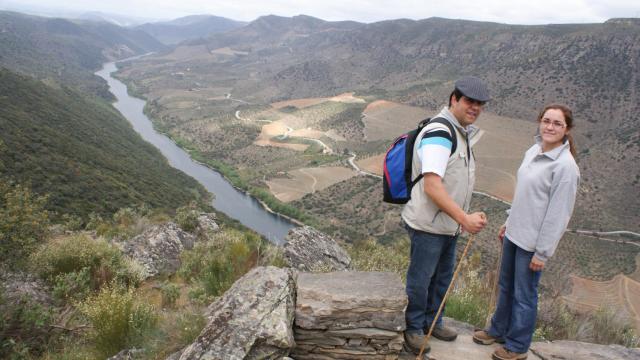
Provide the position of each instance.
(372, 164)
(307, 133)
(347, 98)
(306, 181)
(299, 103)
(274, 129)
(387, 120)
(620, 293)
(228, 51)
(499, 153)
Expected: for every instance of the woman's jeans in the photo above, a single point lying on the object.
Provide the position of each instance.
(515, 316)
(430, 271)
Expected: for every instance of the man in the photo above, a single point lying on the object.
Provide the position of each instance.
(437, 211)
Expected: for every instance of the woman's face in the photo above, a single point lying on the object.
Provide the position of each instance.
(553, 128)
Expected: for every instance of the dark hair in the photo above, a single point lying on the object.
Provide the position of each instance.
(568, 118)
(457, 93)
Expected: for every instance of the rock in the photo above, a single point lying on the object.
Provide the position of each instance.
(207, 223)
(575, 350)
(350, 300)
(252, 320)
(307, 249)
(158, 248)
(349, 315)
(19, 285)
(129, 354)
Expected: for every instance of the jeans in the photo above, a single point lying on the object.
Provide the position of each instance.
(515, 316)
(430, 271)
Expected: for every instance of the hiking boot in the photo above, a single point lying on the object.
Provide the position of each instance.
(504, 354)
(414, 341)
(443, 333)
(483, 338)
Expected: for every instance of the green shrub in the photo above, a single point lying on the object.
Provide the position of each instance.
(72, 222)
(170, 294)
(216, 264)
(72, 285)
(24, 222)
(78, 253)
(187, 217)
(24, 328)
(118, 321)
(369, 255)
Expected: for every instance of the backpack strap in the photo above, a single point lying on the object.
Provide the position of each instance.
(454, 139)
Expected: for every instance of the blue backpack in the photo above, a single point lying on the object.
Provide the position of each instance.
(396, 179)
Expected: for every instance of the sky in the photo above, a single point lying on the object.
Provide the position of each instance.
(503, 11)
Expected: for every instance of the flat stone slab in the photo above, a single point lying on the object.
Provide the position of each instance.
(575, 350)
(350, 300)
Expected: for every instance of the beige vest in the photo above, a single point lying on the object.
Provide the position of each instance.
(420, 213)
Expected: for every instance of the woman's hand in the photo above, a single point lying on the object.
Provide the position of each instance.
(536, 264)
(501, 232)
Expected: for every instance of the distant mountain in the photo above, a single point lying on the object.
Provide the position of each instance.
(65, 51)
(82, 152)
(189, 28)
(591, 67)
(116, 19)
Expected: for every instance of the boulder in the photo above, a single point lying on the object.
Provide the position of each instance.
(158, 249)
(19, 287)
(207, 223)
(349, 315)
(307, 249)
(252, 320)
(129, 354)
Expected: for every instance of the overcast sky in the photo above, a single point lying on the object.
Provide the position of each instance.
(503, 11)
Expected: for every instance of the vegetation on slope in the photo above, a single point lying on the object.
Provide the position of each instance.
(82, 152)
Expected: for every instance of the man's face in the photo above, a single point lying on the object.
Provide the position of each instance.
(466, 110)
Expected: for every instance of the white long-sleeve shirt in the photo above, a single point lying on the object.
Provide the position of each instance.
(545, 194)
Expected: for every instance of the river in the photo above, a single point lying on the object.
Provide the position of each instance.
(229, 200)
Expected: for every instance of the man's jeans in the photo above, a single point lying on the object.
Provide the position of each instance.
(430, 271)
(515, 316)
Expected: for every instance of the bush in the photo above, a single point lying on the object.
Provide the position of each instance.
(24, 222)
(72, 285)
(24, 328)
(170, 294)
(118, 320)
(187, 217)
(79, 253)
(215, 265)
(369, 255)
(469, 300)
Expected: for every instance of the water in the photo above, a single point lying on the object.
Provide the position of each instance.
(229, 200)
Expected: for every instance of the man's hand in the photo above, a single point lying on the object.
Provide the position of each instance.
(501, 232)
(536, 264)
(473, 223)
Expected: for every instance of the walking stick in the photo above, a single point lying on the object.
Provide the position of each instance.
(444, 299)
(494, 293)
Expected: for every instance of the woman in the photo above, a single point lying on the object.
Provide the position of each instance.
(547, 182)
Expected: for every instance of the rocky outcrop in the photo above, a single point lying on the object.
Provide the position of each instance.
(582, 351)
(252, 320)
(207, 224)
(18, 287)
(465, 348)
(158, 248)
(349, 315)
(307, 249)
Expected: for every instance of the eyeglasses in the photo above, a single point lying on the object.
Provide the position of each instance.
(556, 124)
(474, 101)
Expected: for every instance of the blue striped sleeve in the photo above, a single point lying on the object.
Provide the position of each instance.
(444, 142)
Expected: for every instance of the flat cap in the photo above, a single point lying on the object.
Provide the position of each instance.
(473, 88)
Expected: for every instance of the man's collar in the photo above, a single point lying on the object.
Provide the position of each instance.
(554, 153)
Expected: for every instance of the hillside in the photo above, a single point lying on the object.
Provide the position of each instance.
(591, 67)
(67, 52)
(82, 152)
(189, 28)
